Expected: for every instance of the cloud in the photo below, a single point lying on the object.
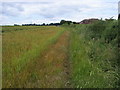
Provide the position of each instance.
(11, 9)
(39, 11)
(119, 7)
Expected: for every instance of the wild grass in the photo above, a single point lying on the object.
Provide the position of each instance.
(93, 53)
(22, 46)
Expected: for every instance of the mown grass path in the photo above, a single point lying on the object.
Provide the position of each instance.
(49, 70)
(57, 69)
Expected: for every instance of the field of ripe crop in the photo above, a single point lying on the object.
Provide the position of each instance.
(21, 47)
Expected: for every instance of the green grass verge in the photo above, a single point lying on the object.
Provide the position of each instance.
(94, 62)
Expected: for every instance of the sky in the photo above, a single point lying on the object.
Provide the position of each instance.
(53, 11)
(119, 7)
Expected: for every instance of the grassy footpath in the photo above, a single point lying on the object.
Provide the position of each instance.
(93, 53)
(38, 56)
(47, 70)
(20, 47)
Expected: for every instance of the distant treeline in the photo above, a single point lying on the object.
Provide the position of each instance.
(51, 24)
(64, 22)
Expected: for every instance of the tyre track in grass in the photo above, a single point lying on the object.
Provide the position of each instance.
(49, 70)
(57, 68)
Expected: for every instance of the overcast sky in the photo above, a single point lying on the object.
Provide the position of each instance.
(119, 7)
(48, 11)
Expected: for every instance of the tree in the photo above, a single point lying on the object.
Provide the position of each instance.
(43, 24)
(119, 16)
(65, 22)
(62, 22)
